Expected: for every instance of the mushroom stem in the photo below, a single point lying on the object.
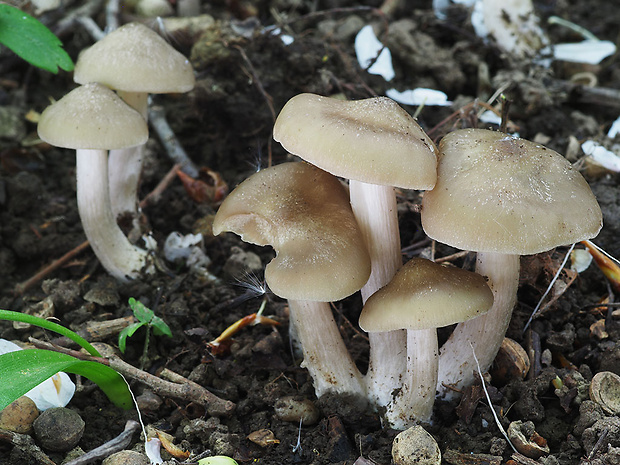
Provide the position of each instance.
(117, 255)
(414, 402)
(125, 168)
(485, 333)
(374, 207)
(325, 354)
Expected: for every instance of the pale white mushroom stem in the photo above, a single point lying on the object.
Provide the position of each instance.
(117, 255)
(485, 333)
(374, 207)
(414, 402)
(325, 355)
(125, 169)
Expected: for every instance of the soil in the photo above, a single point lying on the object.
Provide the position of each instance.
(244, 77)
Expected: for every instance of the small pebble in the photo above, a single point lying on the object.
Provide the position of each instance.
(59, 429)
(415, 446)
(127, 457)
(19, 415)
(294, 409)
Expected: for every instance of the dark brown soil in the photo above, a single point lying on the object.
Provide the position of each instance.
(225, 124)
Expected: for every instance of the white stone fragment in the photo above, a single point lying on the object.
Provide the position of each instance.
(601, 156)
(419, 96)
(614, 130)
(367, 47)
(587, 51)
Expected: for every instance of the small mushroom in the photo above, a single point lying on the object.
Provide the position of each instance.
(135, 61)
(377, 145)
(501, 196)
(304, 213)
(605, 391)
(421, 297)
(92, 120)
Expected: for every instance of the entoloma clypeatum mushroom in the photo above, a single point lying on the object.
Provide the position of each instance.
(135, 61)
(421, 297)
(501, 196)
(378, 146)
(304, 213)
(92, 119)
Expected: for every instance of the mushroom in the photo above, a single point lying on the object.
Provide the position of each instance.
(378, 146)
(92, 119)
(502, 197)
(304, 213)
(421, 297)
(135, 61)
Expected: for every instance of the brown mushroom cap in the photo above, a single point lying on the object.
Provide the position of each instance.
(499, 193)
(372, 140)
(134, 58)
(92, 117)
(424, 295)
(304, 213)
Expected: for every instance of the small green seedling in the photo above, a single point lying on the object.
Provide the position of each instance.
(217, 460)
(28, 38)
(146, 317)
(22, 370)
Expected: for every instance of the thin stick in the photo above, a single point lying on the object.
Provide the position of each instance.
(117, 444)
(174, 149)
(181, 388)
(555, 278)
(486, 393)
(256, 80)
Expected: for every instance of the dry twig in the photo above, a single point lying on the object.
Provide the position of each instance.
(179, 388)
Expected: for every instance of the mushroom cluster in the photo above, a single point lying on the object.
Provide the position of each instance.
(487, 191)
(109, 133)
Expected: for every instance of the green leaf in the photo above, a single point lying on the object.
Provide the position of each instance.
(46, 324)
(160, 328)
(127, 332)
(22, 370)
(141, 311)
(31, 40)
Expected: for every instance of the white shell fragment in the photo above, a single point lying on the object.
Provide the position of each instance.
(588, 51)
(419, 96)
(56, 391)
(368, 48)
(601, 156)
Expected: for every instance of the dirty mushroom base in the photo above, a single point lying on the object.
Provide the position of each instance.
(39, 191)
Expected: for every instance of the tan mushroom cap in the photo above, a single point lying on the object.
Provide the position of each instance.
(92, 117)
(424, 295)
(134, 58)
(304, 213)
(373, 140)
(499, 193)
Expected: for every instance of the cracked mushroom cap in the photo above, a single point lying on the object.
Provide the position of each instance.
(304, 213)
(134, 58)
(424, 295)
(372, 140)
(92, 117)
(503, 194)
